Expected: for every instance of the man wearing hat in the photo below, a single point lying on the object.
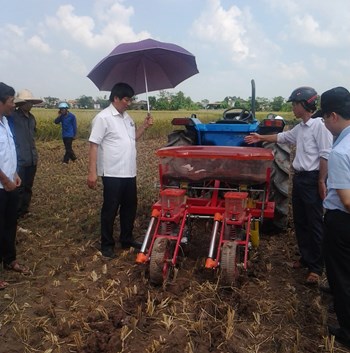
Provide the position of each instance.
(68, 122)
(335, 106)
(313, 143)
(23, 125)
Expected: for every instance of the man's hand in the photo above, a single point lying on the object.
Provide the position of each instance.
(252, 138)
(322, 189)
(92, 174)
(148, 121)
(17, 180)
(92, 181)
(9, 185)
(146, 124)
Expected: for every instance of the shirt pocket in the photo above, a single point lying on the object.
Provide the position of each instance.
(130, 127)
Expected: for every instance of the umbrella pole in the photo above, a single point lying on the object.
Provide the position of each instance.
(146, 86)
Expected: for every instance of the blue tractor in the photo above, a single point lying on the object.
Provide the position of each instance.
(230, 130)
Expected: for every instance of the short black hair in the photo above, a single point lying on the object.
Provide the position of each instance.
(336, 100)
(6, 92)
(121, 90)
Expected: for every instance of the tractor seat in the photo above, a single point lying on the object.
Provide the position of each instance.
(228, 121)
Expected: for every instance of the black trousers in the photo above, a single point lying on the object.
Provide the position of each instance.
(27, 175)
(336, 248)
(308, 219)
(69, 155)
(8, 225)
(119, 194)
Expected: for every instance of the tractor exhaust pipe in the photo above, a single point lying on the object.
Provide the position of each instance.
(253, 98)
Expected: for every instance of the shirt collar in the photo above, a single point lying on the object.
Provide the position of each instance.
(345, 132)
(309, 122)
(115, 112)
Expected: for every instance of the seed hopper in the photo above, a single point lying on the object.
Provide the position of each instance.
(229, 186)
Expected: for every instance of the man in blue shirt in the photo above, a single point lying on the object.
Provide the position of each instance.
(69, 130)
(335, 105)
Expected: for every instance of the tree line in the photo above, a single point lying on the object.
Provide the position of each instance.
(176, 101)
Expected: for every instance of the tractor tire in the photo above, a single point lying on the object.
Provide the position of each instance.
(180, 138)
(160, 268)
(279, 190)
(228, 263)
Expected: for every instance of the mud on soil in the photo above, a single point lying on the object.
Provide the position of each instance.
(76, 301)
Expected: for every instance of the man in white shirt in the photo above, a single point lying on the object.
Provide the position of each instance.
(313, 143)
(112, 155)
(9, 182)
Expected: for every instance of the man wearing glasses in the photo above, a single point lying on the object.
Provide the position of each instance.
(335, 106)
(112, 155)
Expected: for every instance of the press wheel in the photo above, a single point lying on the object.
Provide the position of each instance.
(228, 263)
(159, 263)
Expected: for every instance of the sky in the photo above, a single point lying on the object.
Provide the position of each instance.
(49, 46)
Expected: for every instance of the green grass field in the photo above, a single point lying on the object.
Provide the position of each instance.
(47, 130)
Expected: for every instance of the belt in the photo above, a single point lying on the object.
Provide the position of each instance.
(336, 210)
(305, 173)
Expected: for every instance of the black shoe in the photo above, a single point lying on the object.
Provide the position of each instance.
(108, 253)
(131, 244)
(340, 335)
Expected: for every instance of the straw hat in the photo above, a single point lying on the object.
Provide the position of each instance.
(26, 96)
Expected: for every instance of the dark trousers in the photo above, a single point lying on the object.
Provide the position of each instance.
(69, 155)
(8, 225)
(118, 194)
(308, 219)
(336, 248)
(27, 175)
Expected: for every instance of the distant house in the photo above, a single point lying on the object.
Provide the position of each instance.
(140, 105)
(216, 105)
(43, 104)
(73, 103)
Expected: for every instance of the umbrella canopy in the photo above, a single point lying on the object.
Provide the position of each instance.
(147, 65)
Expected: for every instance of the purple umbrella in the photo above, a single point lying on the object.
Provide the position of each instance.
(146, 66)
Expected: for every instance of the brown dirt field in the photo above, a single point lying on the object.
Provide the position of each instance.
(76, 301)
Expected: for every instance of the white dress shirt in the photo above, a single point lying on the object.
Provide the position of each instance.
(8, 157)
(114, 133)
(313, 141)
